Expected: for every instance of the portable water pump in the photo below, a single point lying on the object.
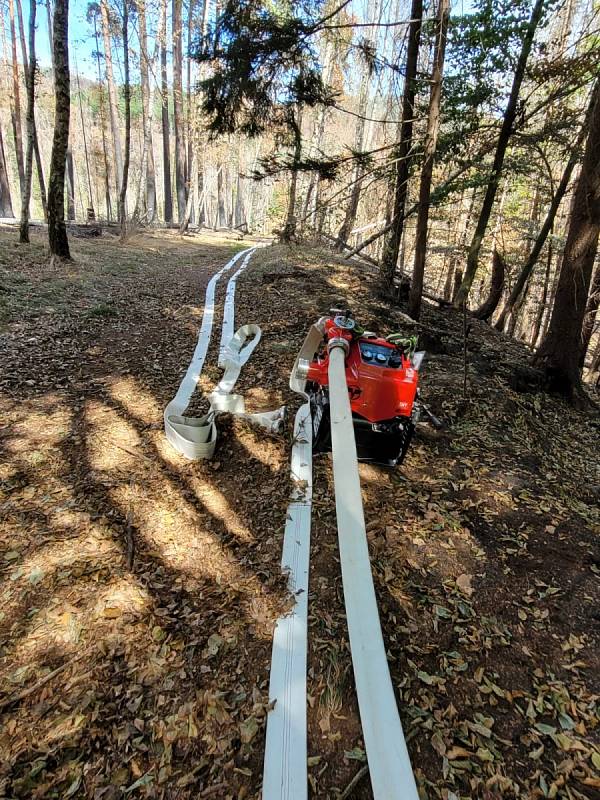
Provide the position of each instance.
(382, 377)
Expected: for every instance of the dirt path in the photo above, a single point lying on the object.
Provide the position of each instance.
(153, 582)
(115, 547)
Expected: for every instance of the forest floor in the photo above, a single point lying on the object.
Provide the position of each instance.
(139, 590)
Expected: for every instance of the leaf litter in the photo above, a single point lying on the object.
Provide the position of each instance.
(483, 546)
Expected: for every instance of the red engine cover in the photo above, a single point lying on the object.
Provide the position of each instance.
(378, 390)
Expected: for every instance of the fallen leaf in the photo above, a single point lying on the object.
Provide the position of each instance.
(464, 584)
(248, 730)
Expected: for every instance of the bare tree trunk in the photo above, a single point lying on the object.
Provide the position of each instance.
(221, 215)
(295, 123)
(16, 119)
(459, 250)
(57, 232)
(30, 80)
(200, 185)
(148, 152)
(391, 249)
(560, 352)
(112, 95)
(506, 130)
(521, 304)
(359, 142)
(529, 265)
(594, 373)
(590, 314)
(36, 147)
(193, 133)
(6, 209)
(70, 187)
(487, 308)
(164, 87)
(537, 325)
(433, 127)
(178, 110)
(352, 207)
(103, 126)
(127, 96)
(190, 201)
(189, 134)
(90, 212)
(201, 208)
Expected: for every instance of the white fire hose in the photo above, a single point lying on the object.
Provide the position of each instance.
(285, 766)
(196, 437)
(389, 764)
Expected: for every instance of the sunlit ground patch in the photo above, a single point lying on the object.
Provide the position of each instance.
(135, 399)
(111, 439)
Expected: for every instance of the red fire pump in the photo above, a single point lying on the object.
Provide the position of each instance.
(382, 377)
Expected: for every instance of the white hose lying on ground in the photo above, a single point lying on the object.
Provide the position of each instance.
(285, 767)
(389, 764)
(196, 437)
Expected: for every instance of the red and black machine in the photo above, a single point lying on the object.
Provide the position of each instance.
(382, 377)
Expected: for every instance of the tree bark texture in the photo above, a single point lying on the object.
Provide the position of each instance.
(392, 244)
(560, 352)
(107, 198)
(487, 308)
(433, 127)
(16, 93)
(459, 250)
(352, 207)
(537, 323)
(6, 209)
(70, 186)
(36, 147)
(295, 123)
(164, 87)
(590, 315)
(178, 121)
(57, 232)
(90, 212)
(127, 96)
(361, 139)
(30, 81)
(150, 177)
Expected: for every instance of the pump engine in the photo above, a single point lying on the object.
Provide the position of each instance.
(382, 377)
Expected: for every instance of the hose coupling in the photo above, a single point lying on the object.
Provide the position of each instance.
(338, 341)
(302, 367)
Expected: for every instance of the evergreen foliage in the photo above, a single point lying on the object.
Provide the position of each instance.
(263, 62)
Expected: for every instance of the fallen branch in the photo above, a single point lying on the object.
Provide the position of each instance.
(334, 239)
(42, 682)
(354, 782)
